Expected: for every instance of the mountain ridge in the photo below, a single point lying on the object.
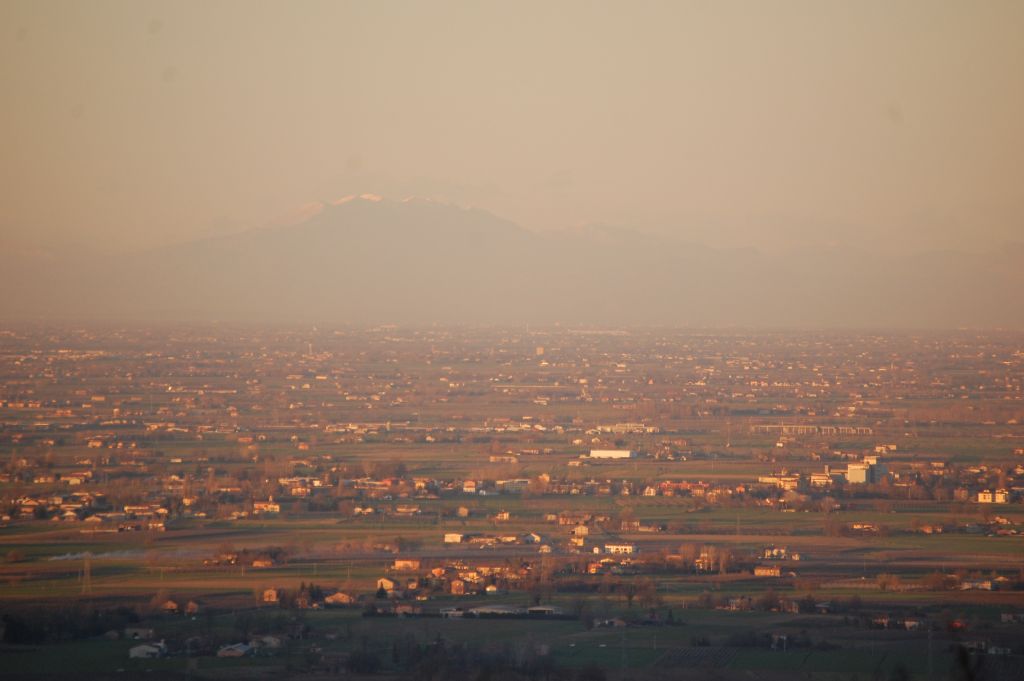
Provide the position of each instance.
(378, 260)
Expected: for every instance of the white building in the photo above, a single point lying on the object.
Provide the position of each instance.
(857, 472)
(516, 486)
(612, 454)
(621, 549)
(871, 470)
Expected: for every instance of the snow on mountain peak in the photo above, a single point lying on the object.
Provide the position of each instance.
(375, 198)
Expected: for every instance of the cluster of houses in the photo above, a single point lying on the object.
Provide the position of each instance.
(398, 496)
(968, 483)
(92, 511)
(78, 493)
(407, 582)
(455, 578)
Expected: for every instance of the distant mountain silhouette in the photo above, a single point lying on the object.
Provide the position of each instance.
(369, 260)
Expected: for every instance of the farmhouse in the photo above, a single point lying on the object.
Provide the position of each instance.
(340, 598)
(266, 507)
(623, 549)
(406, 565)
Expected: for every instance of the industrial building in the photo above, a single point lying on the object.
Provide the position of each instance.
(612, 454)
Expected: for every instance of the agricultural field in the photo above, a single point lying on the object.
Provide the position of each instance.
(431, 503)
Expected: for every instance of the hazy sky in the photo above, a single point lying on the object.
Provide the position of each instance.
(770, 124)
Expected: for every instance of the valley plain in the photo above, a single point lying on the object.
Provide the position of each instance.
(299, 502)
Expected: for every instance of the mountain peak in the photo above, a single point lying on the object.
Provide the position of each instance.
(368, 258)
(373, 198)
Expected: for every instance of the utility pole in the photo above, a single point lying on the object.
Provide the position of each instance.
(87, 574)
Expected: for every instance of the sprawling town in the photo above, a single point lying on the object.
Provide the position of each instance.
(548, 503)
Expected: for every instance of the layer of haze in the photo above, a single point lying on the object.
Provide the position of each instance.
(769, 124)
(880, 133)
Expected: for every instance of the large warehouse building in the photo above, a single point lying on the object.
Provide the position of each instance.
(612, 454)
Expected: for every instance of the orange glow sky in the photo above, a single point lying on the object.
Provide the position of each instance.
(130, 124)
